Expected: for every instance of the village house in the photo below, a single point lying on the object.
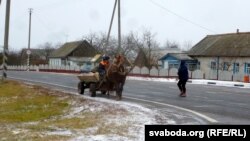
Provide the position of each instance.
(37, 57)
(172, 60)
(223, 53)
(142, 59)
(77, 53)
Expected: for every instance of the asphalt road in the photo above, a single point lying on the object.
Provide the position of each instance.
(204, 104)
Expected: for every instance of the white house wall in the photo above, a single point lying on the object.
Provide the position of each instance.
(205, 65)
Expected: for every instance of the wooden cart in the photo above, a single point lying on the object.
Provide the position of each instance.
(92, 81)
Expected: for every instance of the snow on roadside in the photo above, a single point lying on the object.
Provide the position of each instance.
(152, 79)
(138, 116)
(194, 81)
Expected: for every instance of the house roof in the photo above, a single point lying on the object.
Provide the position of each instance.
(224, 45)
(141, 60)
(179, 56)
(69, 47)
(159, 53)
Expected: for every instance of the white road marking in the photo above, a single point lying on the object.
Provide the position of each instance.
(149, 101)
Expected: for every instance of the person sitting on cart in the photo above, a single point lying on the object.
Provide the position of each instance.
(103, 65)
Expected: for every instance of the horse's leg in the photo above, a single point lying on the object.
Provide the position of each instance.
(121, 90)
(108, 88)
(117, 90)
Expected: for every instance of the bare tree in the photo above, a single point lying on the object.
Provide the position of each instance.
(13, 57)
(92, 38)
(149, 43)
(187, 45)
(171, 44)
(46, 50)
(130, 45)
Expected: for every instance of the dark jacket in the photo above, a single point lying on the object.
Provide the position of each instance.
(102, 65)
(183, 71)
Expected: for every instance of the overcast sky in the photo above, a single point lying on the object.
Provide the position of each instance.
(175, 20)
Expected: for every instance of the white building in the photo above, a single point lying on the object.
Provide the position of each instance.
(223, 54)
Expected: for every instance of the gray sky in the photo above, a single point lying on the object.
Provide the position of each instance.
(175, 20)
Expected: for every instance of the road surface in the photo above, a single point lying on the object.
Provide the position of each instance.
(204, 104)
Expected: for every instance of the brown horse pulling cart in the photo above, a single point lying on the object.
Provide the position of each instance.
(115, 79)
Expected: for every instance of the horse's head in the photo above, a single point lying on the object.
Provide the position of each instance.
(119, 59)
(118, 64)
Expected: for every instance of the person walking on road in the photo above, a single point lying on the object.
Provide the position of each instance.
(183, 77)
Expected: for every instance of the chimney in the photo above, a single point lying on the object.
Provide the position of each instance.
(237, 31)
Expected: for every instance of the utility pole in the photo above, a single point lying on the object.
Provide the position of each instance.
(6, 40)
(119, 26)
(29, 51)
(111, 23)
(117, 2)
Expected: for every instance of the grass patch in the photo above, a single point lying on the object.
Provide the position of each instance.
(24, 104)
(35, 113)
(10, 136)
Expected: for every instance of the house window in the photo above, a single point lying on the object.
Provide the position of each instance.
(236, 67)
(247, 68)
(192, 67)
(173, 66)
(226, 66)
(213, 66)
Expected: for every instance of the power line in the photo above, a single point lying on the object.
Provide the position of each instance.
(41, 22)
(181, 17)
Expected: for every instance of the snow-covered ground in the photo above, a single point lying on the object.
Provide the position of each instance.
(136, 118)
(194, 81)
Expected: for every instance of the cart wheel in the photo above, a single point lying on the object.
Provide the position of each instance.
(81, 87)
(92, 89)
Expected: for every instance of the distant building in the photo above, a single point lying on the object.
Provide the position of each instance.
(142, 59)
(224, 52)
(172, 60)
(78, 53)
(37, 57)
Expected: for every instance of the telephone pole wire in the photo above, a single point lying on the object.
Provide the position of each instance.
(6, 41)
(28, 50)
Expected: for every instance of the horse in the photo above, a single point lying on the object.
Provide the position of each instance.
(116, 75)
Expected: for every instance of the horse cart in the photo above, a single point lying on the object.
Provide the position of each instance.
(115, 78)
(92, 81)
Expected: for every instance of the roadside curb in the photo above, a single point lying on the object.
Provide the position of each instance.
(221, 83)
(195, 81)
